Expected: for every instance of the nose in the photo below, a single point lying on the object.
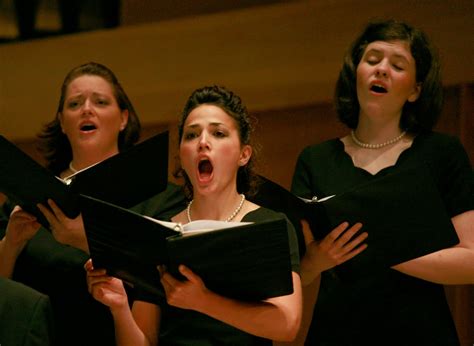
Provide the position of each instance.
(382, 68)
(204, 141)
(87, 107)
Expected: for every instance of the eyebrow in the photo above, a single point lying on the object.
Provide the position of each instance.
(94, 94)
(214, 124)
(396, 55)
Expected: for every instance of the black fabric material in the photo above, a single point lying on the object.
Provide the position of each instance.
(386, 308)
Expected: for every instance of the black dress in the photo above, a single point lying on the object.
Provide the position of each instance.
(188, 327)
(387, 308)
(57, 270)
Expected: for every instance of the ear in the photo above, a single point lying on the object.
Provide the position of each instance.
(415, 93)
(124, 118)
(245, 155)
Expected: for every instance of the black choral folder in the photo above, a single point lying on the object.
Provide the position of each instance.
(275, 197)
(402, 212)
(248, 262)
(124, 179)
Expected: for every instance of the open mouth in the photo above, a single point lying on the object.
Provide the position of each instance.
(378, 89)
(88, 127)
(205, 169)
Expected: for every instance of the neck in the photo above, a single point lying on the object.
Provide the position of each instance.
(219, 208)
(379, 130)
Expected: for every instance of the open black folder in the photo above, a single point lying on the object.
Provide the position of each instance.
(124, 179)
(402, 212)
(248, 261)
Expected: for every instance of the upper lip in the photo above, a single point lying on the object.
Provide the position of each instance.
(203, 157)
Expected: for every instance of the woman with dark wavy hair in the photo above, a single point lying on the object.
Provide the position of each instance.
(247, 179)
(216, 158)
(389, 95)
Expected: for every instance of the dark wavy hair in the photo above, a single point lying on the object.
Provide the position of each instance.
(55, 145)
(417, 116)
(247, 179)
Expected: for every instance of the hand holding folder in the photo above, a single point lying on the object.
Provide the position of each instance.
(247, 261)
(402, 212)
(124, 179)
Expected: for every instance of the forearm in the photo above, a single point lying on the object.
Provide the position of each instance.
(276, 319)
(127, 332)
(452, 266)
(309, 273)
(8, 257)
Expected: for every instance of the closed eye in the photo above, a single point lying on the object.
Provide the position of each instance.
(372, 62)
(397, 67)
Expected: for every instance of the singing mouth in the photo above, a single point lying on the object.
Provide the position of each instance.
(88, 127)
(205, 168)
(377, 88)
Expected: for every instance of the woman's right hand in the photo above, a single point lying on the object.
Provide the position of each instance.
(21, 227)
(105, 289)
(336, 248)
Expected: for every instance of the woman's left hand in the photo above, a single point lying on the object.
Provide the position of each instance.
(65, 230)
(188, 294)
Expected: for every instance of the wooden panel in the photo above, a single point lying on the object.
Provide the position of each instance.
(283, 134)
(461, 298)
(276, 56)
(457, 119)
(466, 119)
(146, 11)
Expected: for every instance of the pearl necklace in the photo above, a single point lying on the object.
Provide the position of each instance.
(230, 218)
(376, 146)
